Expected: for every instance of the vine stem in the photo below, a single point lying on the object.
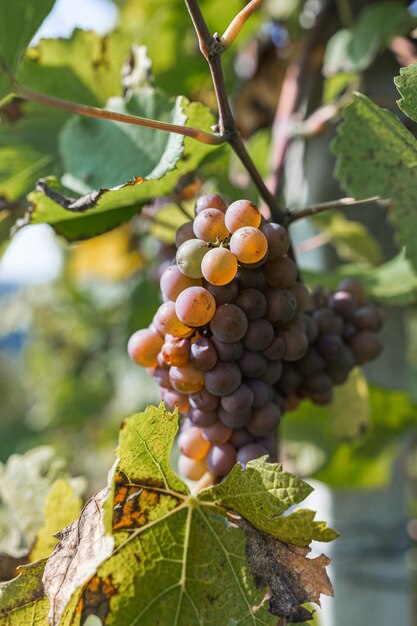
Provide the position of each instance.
(236, 25)
(90, 111)
(207, 480)
(212, 48)
(297, 214)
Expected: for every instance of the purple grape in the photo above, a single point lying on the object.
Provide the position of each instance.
(238, 401)
(221, 459)
(223, 379)
(229, 323)
(235, 420)
(203, 354)
(252, 302)
(249, 453)
(282, 305)
(204, 400)
(265, 420)
(224, 293)
(262, 392)
(259, 335)
(228, 351)
(252, 364)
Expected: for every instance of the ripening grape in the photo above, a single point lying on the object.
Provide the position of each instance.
(249, 244)
(195, 306)
(281, 272)
(176, 351)
(191, 468)
(252, 302)
(239, 400)
(221, 459)
(184, 233)
(228, 351)
(204, 400)
(192, 444)
(250, 452)
(186, 378)
(167, 322)
(173, 282)
(252, 364)
(203, 354)
(210, 201)
(366, 346)
(223, 379)
(265, 420)
(235, 419)
(189, 257)
(242, 213)
(176, 400)
(278, 240)
(259, 335)
(225, 294)
(229, 323)
(201, 418)
(217, 433)
(219, 266)
(144, 346)
(209, 225)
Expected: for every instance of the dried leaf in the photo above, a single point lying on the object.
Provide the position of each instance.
(83, 546)
(292, 578)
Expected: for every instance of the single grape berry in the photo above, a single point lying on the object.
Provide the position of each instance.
(195, 306)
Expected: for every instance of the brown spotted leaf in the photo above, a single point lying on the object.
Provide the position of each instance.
(152, 554)
(292, 578)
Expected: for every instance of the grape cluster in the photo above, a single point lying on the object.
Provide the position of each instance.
(217, 344)
(342, 329)
(239, 340)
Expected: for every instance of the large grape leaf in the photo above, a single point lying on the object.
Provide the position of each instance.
(115, 206)
(29, 150)
(377, 155)
(19, 22)
(176, 559)
(85, 68)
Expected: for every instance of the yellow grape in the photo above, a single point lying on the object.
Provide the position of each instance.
(192, 443)
(191, 468)
(166, 321)
(209, 225)
(219, 266)
(242, 213)
(249, 244)
(144, 346)
(195, 306)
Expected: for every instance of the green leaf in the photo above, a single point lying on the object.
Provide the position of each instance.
(102, 154)
(377, 155)
(29, 150)
(175, 558)
(22, 601)
(116, 206)
(392, 283)
(351, 239)
(300, 528)
(85, 68)
(63, 505)
(354, 50)
(261, 494)
(19, 22)
(406, 84)
(312, 443)
(351, 407)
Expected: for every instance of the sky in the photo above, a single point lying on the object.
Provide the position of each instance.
(38, 243)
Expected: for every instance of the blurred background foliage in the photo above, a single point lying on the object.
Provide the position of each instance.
(65, 379)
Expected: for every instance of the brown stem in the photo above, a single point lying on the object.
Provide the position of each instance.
(90, 111)
(294, 215)
(207, 480)
(238, 23)
(211, 48)
(288, 103)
